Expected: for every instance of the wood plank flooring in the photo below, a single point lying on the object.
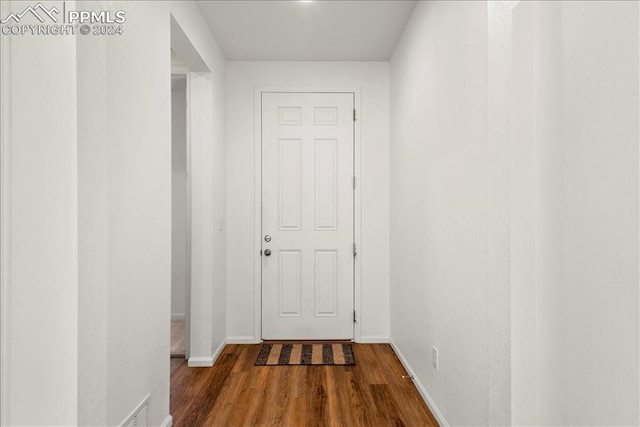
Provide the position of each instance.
(236, 393)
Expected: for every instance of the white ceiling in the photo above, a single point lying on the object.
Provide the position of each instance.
(292, 30)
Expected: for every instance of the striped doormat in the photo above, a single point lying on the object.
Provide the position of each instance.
(338, 354)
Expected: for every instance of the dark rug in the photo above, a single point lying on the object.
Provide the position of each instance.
(338, 354)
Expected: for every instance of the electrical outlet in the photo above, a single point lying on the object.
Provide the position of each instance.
(434, 360)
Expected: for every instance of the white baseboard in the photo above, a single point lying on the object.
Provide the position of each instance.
(168, 422)
(206, 361)
(178, 316)
(242, 340)
(200, 362)
(218, 350)
(421, 388)
(373, 340)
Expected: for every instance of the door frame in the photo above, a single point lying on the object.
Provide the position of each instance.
(257, 190)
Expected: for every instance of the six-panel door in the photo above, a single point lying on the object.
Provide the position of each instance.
(307, 214)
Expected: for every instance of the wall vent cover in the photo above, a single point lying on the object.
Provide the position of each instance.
(140, 416)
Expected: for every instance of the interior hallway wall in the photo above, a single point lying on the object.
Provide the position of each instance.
(600, 130)
(575, 204)
(40, 236)
(91, 208)
(134, 100)
(93, 215)
(139, 203)
(372, 78)
(440, 292)
(514, 174)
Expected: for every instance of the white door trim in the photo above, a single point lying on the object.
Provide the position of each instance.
(257, 191)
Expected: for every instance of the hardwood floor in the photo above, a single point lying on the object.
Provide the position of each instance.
(236, 393)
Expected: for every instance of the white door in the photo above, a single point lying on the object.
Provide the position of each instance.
(307, 215)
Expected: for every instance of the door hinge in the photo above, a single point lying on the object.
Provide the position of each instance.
(354, 316)
(354, 250)
(354, 114)
(354, 182)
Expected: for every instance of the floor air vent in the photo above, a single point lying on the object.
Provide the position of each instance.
(139, 417)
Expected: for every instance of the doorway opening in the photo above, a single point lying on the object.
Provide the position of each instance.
(180, 256)
(193, 203)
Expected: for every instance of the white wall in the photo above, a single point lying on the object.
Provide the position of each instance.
(207, 153)
(91, 209)
(514, 176)
(93, 166)
(178, 199)
(539, 357)
(577, 106)
(440, 265)
(139, 238)
(600, 133)
(208, 257)
(499, 15)
(139, 215)
(41, 235)
(372, 78)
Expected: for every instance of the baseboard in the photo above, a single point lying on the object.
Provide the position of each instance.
(200, 362)
(168, 422)
(178, 316)
(207, 361)
(242, 340)
(373, 340)
(421, 388)
(218, 350)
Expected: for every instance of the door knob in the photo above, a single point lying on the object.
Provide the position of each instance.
(267, 252)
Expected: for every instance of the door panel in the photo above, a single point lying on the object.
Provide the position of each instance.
(289, 184)
(307, 210)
